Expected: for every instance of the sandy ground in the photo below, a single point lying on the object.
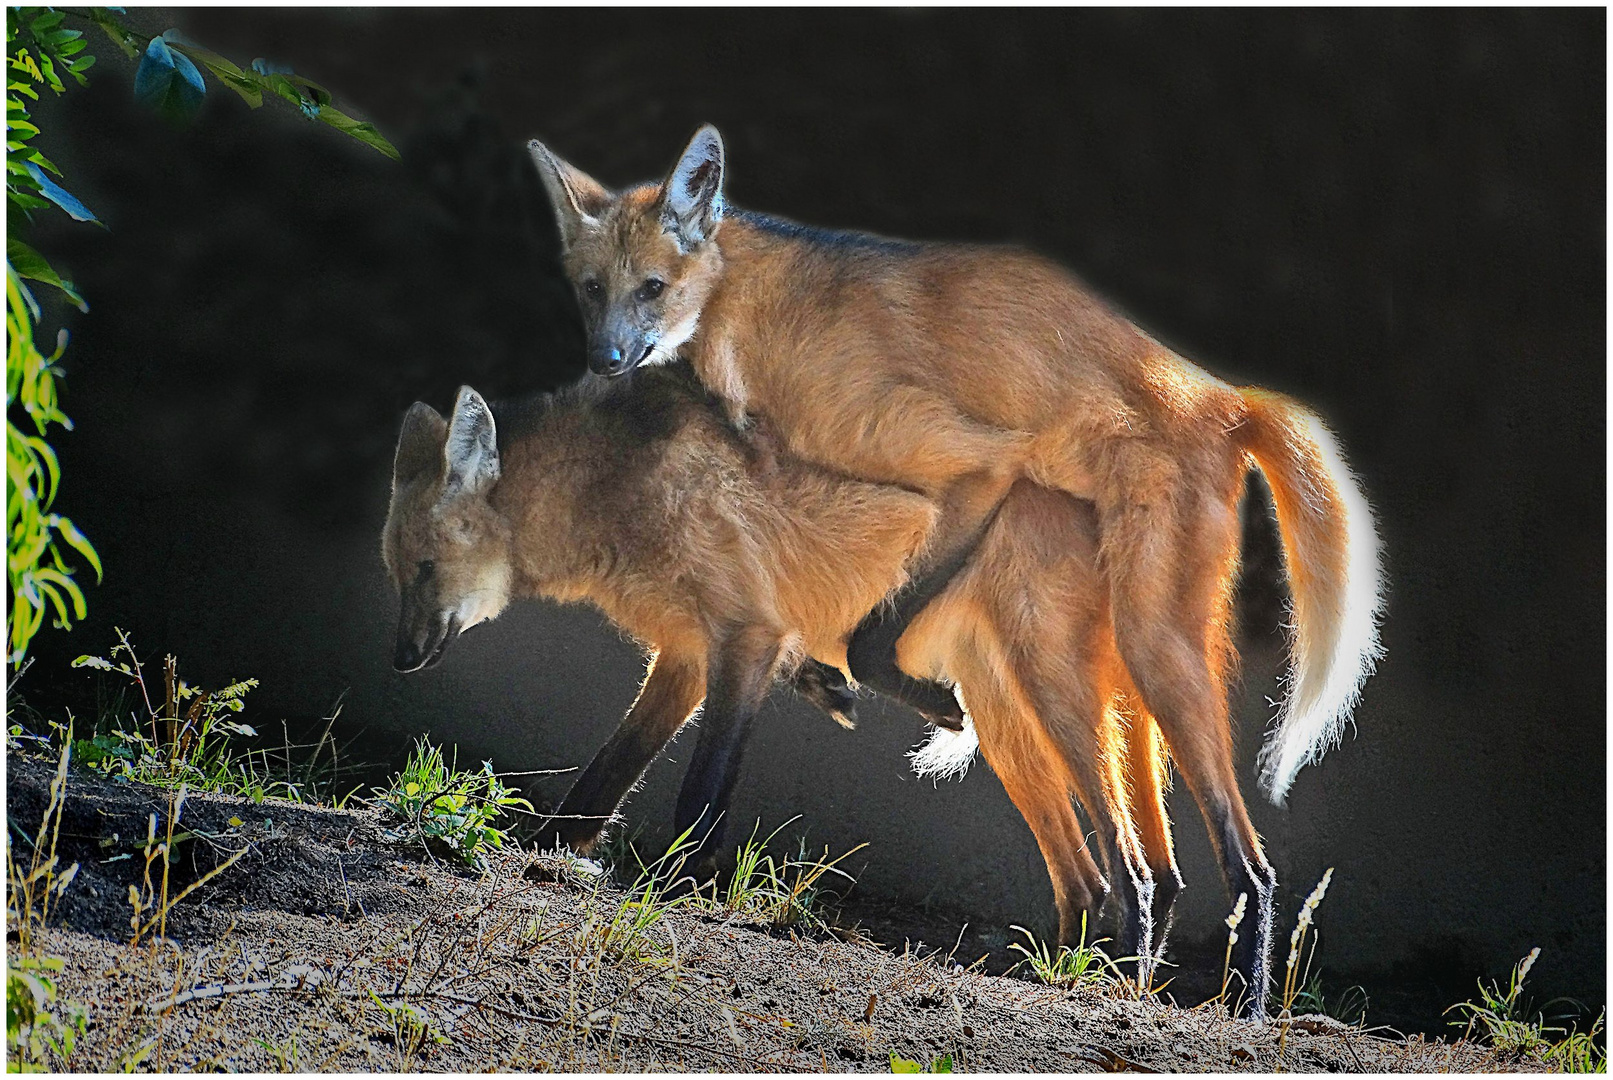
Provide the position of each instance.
(327, 946)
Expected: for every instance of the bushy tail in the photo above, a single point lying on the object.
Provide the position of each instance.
(946, 755)
(1334, 573)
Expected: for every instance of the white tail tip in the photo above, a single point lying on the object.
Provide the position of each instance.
(946, 755)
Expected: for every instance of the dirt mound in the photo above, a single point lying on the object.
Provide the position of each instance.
(298, 860)
(328, 947)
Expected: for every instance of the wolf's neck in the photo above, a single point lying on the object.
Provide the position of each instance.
(561, 528)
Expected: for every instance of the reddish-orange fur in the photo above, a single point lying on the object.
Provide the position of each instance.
(957, 371)
(698, 545)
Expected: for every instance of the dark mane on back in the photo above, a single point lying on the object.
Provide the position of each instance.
(841, 239)
(643, 408)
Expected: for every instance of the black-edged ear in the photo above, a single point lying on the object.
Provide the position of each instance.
(419, 443)
(471, 450)
(578, 198)
(691, 199)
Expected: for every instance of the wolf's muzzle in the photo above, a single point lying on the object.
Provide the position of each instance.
(417, 656)
(613, 360)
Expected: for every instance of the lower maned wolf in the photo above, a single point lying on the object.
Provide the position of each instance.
(958, 370)
(731, 567)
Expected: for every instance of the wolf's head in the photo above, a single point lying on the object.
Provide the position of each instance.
(446, 547)
(642, 261)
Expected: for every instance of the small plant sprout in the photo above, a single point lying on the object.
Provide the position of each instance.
(1294, 979)
(1084, 965)
(33, 887)
(152, 903)
(1234, 920)
(1349, 1007)
(781, 891)
(1504, 1020)
(440, 804)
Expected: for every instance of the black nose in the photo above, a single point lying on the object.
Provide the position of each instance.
(406, 658)
(608, 360)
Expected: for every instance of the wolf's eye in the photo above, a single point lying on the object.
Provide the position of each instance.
(651, 288)
(592, 288)
(427, 567)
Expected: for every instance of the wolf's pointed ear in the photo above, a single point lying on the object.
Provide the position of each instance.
(578, 198)
(691, 199)
(419, 443)
(471, 450)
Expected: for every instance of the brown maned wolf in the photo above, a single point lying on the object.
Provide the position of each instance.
(730, 568)
(958, 370)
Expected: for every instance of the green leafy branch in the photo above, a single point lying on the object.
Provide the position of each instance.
(168, 79)
(39, 576)
(44, 49)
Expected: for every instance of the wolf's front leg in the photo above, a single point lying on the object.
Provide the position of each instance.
(673, 689)
(739, 673)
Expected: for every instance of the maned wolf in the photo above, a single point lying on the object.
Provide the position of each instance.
(956, 371)
(730, 567)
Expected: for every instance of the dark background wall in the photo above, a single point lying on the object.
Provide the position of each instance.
(1396, 216)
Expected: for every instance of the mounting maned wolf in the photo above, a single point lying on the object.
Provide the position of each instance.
(644, 501)
(957, 371)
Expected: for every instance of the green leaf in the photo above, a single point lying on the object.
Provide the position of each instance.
(226, 71)
(50, 581)
(901, 1064)
(168, 81)
(30, 264)
(81, 544)
(51, 18)
(27, 201)
(24, 61)
(362, 130)
(61, 197)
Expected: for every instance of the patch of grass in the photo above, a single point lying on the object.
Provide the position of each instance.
(1349, 1006)
(1084, 965)
(1504, 1019)
(173, 734)
(780, 891)
(40, 1029)
(1579, 1052)
(439, 804)
(627, 935)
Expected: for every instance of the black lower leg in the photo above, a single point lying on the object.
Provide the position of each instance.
(826, 688)
(871, 652)
(1249, 875)
(738, 679)
(1162, 907)
(708, 788)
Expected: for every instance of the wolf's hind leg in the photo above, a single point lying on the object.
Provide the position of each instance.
(871, 653)
(826, 687)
